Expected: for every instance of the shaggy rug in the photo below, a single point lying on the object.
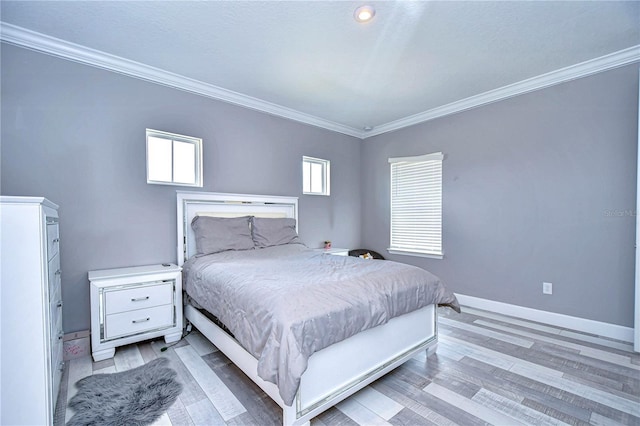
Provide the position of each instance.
(133, 397)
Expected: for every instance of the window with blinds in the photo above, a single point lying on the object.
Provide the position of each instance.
(416, 205)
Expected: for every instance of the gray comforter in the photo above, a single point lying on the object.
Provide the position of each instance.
(286, 302)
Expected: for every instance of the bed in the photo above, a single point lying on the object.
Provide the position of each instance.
(314, 334)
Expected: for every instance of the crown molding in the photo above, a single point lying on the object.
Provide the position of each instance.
(582, 69)
(25, 38)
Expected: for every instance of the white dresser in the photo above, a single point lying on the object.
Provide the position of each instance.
(133, 304)
(30, 310)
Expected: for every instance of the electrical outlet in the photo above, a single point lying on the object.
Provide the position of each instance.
(547, 288)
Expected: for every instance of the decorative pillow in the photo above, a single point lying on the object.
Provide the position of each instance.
(216, 234)
(269, 232)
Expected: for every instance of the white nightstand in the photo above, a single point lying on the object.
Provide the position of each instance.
(335, 251)
(133, 304)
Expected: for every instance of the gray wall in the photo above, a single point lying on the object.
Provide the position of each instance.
(532, 185)
(76, 135)
(540, 187)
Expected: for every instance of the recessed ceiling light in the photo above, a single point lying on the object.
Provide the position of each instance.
(364, 13)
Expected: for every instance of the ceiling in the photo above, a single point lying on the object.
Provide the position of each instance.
(311, 61)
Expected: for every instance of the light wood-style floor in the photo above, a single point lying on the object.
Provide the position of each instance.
(489, 369)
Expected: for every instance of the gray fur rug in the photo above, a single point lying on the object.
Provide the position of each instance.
(133, 397)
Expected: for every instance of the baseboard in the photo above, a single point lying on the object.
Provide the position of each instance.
(584, 325)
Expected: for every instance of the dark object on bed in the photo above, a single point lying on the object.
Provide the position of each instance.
(360, 252)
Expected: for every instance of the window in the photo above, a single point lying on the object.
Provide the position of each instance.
(173, 159)
(315, 176)
(416, 205)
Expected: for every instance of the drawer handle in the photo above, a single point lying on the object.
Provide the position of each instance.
(56, 240)
(59, 304)
(141, 320)
(140, 299)
(58, 272)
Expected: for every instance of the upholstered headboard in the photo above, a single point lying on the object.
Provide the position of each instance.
(192, 204)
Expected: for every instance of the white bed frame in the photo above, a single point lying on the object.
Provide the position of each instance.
(333, 373)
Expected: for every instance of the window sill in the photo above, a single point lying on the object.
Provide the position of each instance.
(156, 182)
(416, 254)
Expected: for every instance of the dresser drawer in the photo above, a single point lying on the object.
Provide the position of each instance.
(138, 321)
(53, 239)
(57, 367)
(140, 297)
(56, 350)
(55, 318)
(53, 269)
(55, 302)
(56, 322)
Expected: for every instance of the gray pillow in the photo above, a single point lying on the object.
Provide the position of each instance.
(269, 232)
(216, 234)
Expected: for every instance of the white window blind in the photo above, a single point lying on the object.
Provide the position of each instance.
(416, 205)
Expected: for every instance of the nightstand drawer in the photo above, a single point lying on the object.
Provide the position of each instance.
(140, 297)
(138, 321)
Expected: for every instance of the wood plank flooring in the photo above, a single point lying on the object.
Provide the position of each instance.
(489, 369)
